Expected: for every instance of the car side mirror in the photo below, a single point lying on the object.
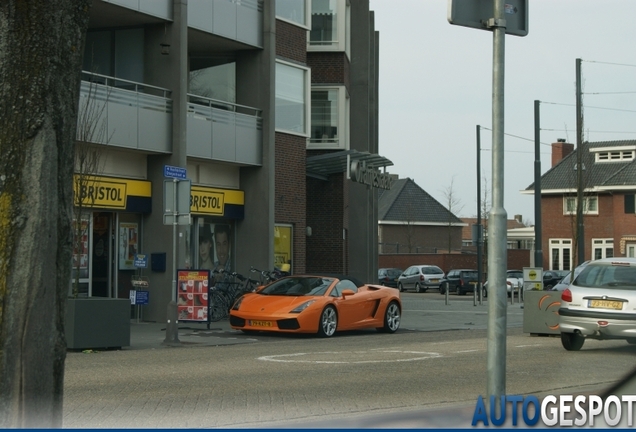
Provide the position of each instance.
(347, 292)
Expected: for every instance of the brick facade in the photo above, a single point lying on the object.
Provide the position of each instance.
(291, 42)
(610, 222)
(517, 259)
(435, 238)
(329, 68)
(326, 248)
(290, 199)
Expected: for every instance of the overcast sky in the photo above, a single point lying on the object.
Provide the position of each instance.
(436, 87)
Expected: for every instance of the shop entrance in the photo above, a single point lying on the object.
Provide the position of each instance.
(101, 255)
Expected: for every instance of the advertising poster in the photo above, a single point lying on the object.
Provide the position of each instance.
(128, 245)
(192, 295)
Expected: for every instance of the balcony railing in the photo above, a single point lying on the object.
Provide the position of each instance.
(224, 131)
(233, 19)
(129, 114)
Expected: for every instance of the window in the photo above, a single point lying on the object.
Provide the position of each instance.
(292, 94)
(615, 156)
(330, 23)
(329, 114)
(590, 205)
(602, 248)
(560, 254)
(213, 77)
(294, 11)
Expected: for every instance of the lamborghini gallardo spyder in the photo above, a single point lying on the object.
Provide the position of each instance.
(320, 304)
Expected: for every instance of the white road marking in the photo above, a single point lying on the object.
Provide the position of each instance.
(407, 356)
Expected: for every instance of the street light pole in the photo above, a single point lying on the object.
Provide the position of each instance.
(538, 241)
(580, 233)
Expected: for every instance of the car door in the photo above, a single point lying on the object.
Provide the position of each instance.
(352, 309)
(408, 277)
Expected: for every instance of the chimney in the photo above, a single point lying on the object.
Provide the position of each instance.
(560, 149)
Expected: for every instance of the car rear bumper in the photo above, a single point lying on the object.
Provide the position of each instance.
(597, 325)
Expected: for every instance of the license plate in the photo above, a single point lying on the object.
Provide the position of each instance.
(434, 280)
(255, 323)
(606, 304)
(473, 283)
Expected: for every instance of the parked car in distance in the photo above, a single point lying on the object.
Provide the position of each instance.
(567, 280)
(514, 281)
(553, 277)
(389, 276)
(599, 303)
(420, 278)
(459, 281)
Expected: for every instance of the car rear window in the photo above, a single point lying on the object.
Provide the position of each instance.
(469, 274)
(432, 270)
(607, 276)
(394, 272)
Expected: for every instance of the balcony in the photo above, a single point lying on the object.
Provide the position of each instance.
(124, 113)
(224, 131)
(240, 21)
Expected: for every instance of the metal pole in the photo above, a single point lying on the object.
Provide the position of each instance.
(479, 228)
(175, 214)
(580, 232)
(497, 258)
(538, 242)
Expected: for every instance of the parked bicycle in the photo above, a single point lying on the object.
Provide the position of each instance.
(223, 295)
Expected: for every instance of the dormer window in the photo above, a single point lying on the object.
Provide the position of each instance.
(614, 154)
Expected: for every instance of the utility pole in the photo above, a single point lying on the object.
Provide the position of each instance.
(480, 231)
(538, 241)
(580, 234)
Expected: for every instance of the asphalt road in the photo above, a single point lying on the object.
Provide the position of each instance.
(302, 381)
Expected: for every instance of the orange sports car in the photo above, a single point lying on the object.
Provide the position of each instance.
(321, 304)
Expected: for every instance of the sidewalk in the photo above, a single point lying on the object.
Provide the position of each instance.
(147, 335)
(419, 314)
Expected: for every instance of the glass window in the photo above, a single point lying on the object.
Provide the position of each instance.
(590, 205)
(561, 254)
(324, 116)
(603, 248)
(329, 118)
(292, 10)
(324, 22)
(291, 96)
(213, 78)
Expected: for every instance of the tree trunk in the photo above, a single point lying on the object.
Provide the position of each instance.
(41, 47)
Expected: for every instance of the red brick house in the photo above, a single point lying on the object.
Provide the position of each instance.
(609, 187)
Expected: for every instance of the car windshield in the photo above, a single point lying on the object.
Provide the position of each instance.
(597, 275)
(515, 274)
(298, 286)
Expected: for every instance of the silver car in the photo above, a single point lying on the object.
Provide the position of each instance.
(420, 278)
(600, 303)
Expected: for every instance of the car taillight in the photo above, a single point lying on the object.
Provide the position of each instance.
(386, 278)
(461, 282)
(567, 295)
(421, 277)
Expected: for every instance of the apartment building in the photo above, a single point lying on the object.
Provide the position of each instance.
(268, 109)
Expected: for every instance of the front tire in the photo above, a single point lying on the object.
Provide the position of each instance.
(400, 287)
(392, 318)
(417, 288)
(572, 341)
(328, 322)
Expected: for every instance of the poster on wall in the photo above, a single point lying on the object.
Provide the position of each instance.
(282, 245)
(128, 245)
(192, 295)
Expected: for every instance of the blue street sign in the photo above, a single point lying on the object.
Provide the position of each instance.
(174, 172)
(141, 261)
(139, 297)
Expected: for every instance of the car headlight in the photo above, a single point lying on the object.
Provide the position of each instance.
(237, 304)
(302, 307)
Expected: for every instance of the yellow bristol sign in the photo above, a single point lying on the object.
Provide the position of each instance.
(217, 202)
(109, 193)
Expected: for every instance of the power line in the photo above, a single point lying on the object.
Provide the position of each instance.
(608, 63)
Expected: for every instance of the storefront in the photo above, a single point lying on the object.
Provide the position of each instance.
(107, 232)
